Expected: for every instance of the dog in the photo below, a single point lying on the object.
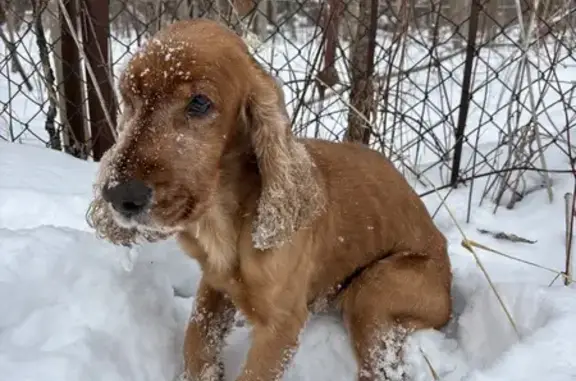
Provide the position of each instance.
(281, 226)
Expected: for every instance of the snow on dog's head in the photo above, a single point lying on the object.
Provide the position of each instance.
(196, 105)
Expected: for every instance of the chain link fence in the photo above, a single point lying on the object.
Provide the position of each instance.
(450, 90)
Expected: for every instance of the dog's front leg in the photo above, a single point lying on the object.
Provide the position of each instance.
(211, 319)
(273, 347)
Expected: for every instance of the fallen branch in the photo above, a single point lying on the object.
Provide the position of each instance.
(506, 236)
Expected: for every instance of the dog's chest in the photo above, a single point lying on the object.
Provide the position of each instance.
(219, 269)
(253, 305)
(211, 241)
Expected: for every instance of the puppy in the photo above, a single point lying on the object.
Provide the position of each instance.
(280, 225)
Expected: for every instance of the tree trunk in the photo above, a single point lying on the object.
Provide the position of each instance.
(362, 73)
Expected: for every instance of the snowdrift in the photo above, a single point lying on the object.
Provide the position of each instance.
(76, 308)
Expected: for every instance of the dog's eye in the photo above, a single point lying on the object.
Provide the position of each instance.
(199, 105)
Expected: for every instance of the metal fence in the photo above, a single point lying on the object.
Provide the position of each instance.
(448, 89)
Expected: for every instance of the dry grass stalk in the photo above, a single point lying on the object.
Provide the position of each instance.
(494, 251)
(569, 203)
(432, 370)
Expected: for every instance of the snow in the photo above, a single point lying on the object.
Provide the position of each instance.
(71, 310)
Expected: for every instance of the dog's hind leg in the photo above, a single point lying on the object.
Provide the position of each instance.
(385, 302)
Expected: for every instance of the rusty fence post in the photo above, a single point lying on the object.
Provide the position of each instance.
(95, 31)
(75, 136)
(466, 95)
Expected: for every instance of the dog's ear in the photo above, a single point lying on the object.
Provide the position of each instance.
(291, 193)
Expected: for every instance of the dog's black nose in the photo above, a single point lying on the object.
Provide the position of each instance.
(128, 198)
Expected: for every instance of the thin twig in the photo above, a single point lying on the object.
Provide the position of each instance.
(569, 199)
(15, 60)
(54, 141)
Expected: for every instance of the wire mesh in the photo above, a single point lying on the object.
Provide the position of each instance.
(448, 90)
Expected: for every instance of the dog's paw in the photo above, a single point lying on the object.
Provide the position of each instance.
(210, 373)
(213, 372)
(183, 377)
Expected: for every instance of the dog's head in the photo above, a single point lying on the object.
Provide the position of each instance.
(192, 95)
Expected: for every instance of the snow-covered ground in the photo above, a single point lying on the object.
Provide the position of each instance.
(77, 308)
